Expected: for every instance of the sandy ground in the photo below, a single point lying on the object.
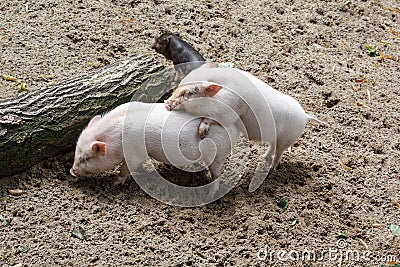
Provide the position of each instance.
(312, 50)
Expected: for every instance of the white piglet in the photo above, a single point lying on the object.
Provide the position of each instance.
(250, 98)
(134, 131)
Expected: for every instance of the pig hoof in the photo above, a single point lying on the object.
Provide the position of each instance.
(119, 180)
(203, 129)
(277, 166)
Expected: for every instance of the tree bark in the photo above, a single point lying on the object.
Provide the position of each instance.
(47, 122)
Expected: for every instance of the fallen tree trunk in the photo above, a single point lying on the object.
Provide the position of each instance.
(47, 122)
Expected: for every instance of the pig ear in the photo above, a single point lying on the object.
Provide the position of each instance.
(95, 118)
(99, 148)
(212, 89)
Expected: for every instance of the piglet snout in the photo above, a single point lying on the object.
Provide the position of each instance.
(73, 172)
(167, 105)
(172, 104)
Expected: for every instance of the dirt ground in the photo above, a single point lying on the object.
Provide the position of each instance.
(312, 50)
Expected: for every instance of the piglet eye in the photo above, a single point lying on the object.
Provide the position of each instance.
(187, 94)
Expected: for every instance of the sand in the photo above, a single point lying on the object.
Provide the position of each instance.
(312, 50)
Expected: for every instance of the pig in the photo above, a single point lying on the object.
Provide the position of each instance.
(174, 48)
(244, 93)
(139, 130)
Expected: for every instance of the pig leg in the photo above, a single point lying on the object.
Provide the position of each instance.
(179, 74)
(134, 164)
(269, 154)
(215, 169)
(278, 157)
(123, 174)
(205, 127)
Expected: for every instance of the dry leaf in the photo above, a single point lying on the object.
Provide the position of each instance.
(368, 93)
(383, 42)
(362, 79)
(16, 192)
(48, 77)
(128, 20)
(362, 243)
(344, 166)
(340, 261)
(360, 104)
(395, 203)
(344, 42)
(376, 225)
(394, 32)
(8, 78)
(392, 9)
(383, 56)
(326, 149)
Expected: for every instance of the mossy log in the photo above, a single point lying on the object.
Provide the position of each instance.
(47, 122)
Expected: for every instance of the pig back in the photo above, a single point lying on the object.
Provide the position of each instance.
(172, 137)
